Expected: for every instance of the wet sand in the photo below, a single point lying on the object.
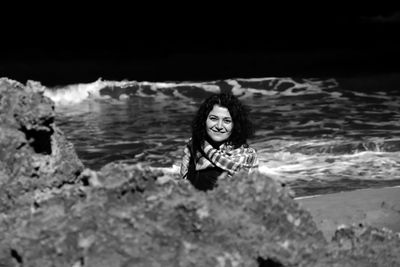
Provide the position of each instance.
(375, 207)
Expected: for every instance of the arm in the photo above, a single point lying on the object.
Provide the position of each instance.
(185, 162)
(241, 158)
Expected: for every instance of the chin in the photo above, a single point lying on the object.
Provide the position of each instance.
(219, 139)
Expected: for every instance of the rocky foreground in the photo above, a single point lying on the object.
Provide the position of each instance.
(56, 212)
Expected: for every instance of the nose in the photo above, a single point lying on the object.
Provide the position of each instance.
(219, 124)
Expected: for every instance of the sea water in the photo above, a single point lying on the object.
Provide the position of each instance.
(316, 135)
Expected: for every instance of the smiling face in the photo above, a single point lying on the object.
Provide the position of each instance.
(219, 124)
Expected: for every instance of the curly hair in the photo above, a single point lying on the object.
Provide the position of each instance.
(242, 126)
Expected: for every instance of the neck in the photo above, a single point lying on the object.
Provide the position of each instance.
(214, 144)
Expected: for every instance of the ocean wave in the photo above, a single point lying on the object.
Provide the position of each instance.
(252, 87)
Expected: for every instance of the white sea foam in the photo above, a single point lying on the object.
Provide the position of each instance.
(76, 93)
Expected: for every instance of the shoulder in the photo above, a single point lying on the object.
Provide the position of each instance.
(251, 156)
(189, 146)
(248, 149)
(245, 150)
(188, 142)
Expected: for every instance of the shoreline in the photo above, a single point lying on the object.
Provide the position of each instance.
(376, 207)
(313, 196)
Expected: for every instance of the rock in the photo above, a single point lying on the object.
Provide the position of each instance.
(361, 245)
(131, 219)
(34, 153)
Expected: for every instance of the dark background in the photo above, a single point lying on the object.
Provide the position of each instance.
(70, 44)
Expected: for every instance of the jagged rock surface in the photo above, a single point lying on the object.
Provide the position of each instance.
(360, 245)
(34, 153)
(126, 216)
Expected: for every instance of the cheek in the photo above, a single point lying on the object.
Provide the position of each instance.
(208, 124)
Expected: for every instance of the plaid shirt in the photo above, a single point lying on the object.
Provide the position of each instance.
(226, 157)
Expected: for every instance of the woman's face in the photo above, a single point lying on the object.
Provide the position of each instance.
(219, 124)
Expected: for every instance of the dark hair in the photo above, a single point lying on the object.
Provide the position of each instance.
(242, 126)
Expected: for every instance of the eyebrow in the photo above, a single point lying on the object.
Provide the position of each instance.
(218, 116)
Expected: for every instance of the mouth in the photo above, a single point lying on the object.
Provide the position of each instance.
(217, 132)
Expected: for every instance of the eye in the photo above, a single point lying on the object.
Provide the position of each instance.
(227, 121)
(212, 118)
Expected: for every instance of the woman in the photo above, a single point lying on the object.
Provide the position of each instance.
(218, 145)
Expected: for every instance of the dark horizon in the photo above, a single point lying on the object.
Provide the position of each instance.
(190, 47)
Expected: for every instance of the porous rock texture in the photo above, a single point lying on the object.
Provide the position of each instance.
(34, 153)
(125, 215)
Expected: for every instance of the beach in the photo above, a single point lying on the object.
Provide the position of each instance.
(58, 212)
(375, 207)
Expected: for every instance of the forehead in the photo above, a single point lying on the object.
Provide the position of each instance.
(219, 111)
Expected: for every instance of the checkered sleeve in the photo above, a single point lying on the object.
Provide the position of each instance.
(233, 161)
(185, 162)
